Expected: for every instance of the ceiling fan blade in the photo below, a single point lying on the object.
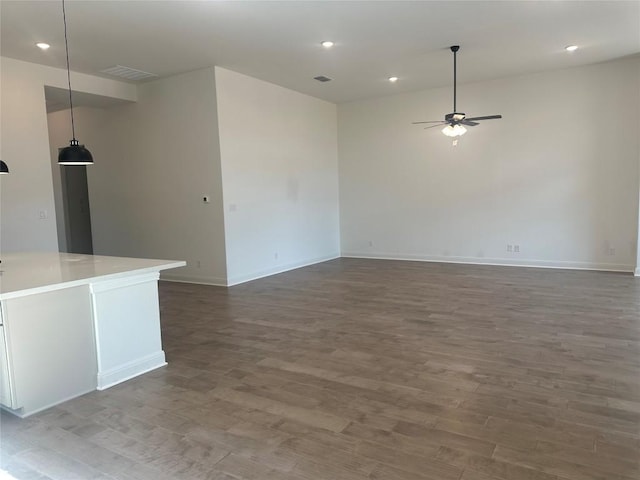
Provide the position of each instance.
(432, 121)
(487, 117)
(433, 126)
(469, 123)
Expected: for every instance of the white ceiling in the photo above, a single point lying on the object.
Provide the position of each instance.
(278, 41)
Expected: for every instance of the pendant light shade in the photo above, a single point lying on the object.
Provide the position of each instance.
(74, 154)
(3, 168)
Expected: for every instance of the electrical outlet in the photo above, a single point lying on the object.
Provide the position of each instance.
(611, 251)
(198, 264)
(43, 215)
(371, 243)
(509, 248)
(275, 255)
(206, 199)
(516, 248)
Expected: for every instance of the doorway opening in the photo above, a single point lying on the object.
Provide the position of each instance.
(72, 184)
(77, 212)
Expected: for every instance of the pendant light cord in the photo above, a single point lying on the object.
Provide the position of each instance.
(66, 44)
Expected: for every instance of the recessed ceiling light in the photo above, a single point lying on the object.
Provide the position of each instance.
(571, 48)
(393, 79)
(327, 44)
(42, 45)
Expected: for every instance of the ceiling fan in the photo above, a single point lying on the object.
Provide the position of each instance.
(455, 121)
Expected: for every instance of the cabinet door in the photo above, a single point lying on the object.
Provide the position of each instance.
(5, 384)
(51, 347)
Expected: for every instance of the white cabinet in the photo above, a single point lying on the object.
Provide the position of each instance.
(49, 353)
(6, 392)
(127, 324)
(74, 323)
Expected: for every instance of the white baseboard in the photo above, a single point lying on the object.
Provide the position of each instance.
(172, 277)
(608, 267)
(222, 282)
(238, 279)
(25, 412)
(130, 370)
(279, 269)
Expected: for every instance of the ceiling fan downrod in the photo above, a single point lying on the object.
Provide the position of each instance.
(454, 49)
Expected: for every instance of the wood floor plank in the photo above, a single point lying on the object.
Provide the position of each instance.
(563, 466)
(363, 369)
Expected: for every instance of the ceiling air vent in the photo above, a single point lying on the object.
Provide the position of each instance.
(128, 73)
(322, 78)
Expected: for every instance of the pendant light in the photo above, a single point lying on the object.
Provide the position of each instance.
(74, 154)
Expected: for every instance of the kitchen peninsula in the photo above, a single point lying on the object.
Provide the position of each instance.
(70, 324)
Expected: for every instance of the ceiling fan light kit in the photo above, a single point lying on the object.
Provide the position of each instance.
(456, 121)
(454, 131)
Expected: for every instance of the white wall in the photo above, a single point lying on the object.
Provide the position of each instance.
(558, 176)
(24, 145)
(58, 125)
(279, 166)
(154, 161)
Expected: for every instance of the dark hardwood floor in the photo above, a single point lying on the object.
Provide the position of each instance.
(364, 369)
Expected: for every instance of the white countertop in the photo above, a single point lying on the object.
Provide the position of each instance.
(28, 273)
